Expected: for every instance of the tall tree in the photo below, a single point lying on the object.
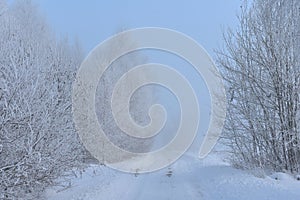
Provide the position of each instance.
(261, 63)
(140, 101)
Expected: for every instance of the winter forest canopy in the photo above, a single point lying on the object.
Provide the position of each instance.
(260, 64)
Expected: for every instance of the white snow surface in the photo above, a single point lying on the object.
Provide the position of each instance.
(188, 179)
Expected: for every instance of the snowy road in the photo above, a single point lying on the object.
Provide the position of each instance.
(189, 178)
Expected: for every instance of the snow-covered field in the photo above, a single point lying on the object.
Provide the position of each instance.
(189, 178)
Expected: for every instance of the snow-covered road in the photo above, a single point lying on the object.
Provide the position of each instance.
(189, 178)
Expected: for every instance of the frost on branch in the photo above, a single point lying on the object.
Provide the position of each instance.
(261, 64)
(37, 137)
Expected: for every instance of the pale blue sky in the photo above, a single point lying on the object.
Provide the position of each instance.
(92, 21)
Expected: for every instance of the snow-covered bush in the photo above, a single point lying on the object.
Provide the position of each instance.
(37, 137)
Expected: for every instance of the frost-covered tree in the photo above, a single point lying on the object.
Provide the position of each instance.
(261, 64)
(37, 138)
(139, 104)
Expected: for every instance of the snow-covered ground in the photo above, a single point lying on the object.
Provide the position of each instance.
(189, 178)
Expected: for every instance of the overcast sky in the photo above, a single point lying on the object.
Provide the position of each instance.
(92, 21)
